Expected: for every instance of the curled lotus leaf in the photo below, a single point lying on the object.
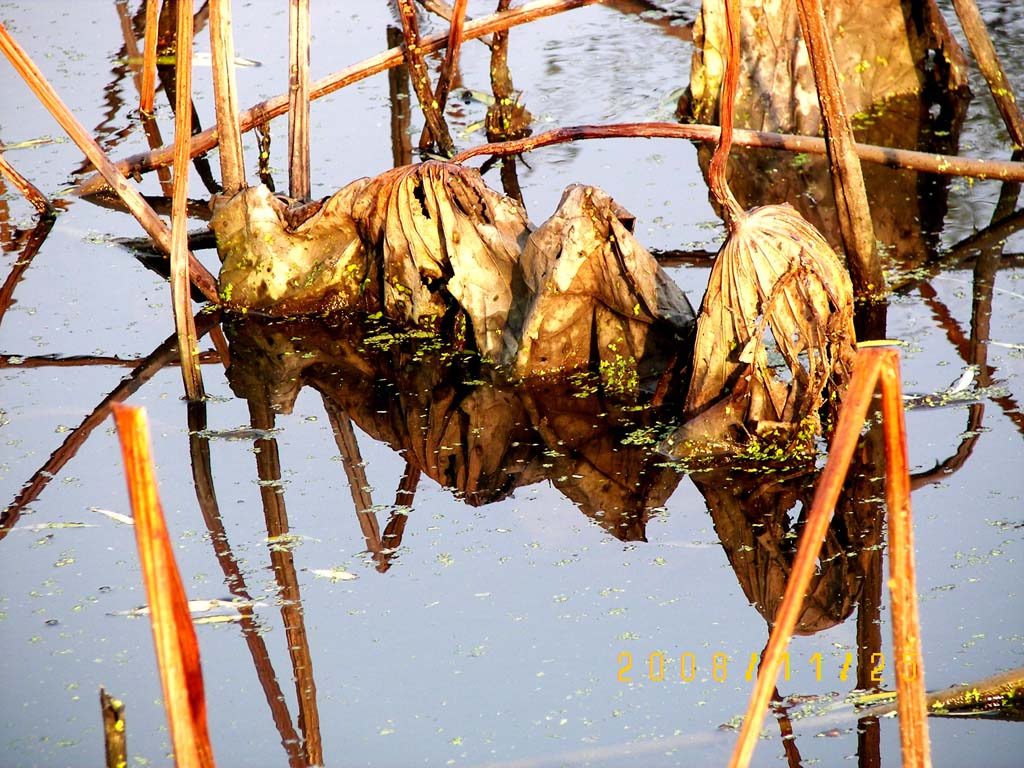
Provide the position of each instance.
(594, 293)
(279, 261)
(444, 241)
(774, 337)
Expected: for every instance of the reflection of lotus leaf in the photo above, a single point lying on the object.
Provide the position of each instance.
(463, 425)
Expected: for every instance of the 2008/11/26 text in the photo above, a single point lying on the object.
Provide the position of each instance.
(721, 664)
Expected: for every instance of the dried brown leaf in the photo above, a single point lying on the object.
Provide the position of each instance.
(444, 240)
(774, 335)
(594, 293)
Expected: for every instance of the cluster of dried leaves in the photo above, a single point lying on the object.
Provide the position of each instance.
(432, 246)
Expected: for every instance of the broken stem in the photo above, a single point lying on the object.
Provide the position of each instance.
(906, 628)
(448, 67)
(181, 299)
(139, 208)
(177, 649)
(114, 736)
(429, 105)
(222, 46)
(855, 227)
(851, 418)
(278, 105)
(944, 165)
(147, 86)
(298, 99)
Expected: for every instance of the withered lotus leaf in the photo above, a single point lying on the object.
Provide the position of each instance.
(594, 293)
(444, 240)
(774, 336)
(273, 264)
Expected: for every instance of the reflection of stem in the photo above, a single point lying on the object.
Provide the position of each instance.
(156, 360)
(202, 476)
(963, 345)
(789, 746)
(268, 468)
(401, 112)
(81, 361)
(392, 538)
(355, 470)
(149, 124)
(33, 242)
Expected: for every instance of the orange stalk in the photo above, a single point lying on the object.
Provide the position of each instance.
(176, 647)
(906, 628)
(872, 365)
(147, 87)
(232, 166)
(298, 99)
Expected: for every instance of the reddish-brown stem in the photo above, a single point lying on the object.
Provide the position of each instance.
(26, 187)
(851, 419)
(990, 66)
(944, 165)
(429, 105)
(222, 46)
(717, 176)
(874, 366)
(176, 646)
(906, 628)
(278, 105)
(448, 66)
(147, 87)
(854, 214)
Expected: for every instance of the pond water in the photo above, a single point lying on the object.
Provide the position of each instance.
(498, 631)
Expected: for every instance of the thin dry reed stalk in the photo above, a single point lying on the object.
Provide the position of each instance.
(175, 638)
(873, 364)
(855, 226)
(432, 114)
(139, 208)
(149, 124)
(26, 187)
(448, 67)
(147, 86)
(298, 99)
(222, 46)
(181, 298)
(990, 66)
